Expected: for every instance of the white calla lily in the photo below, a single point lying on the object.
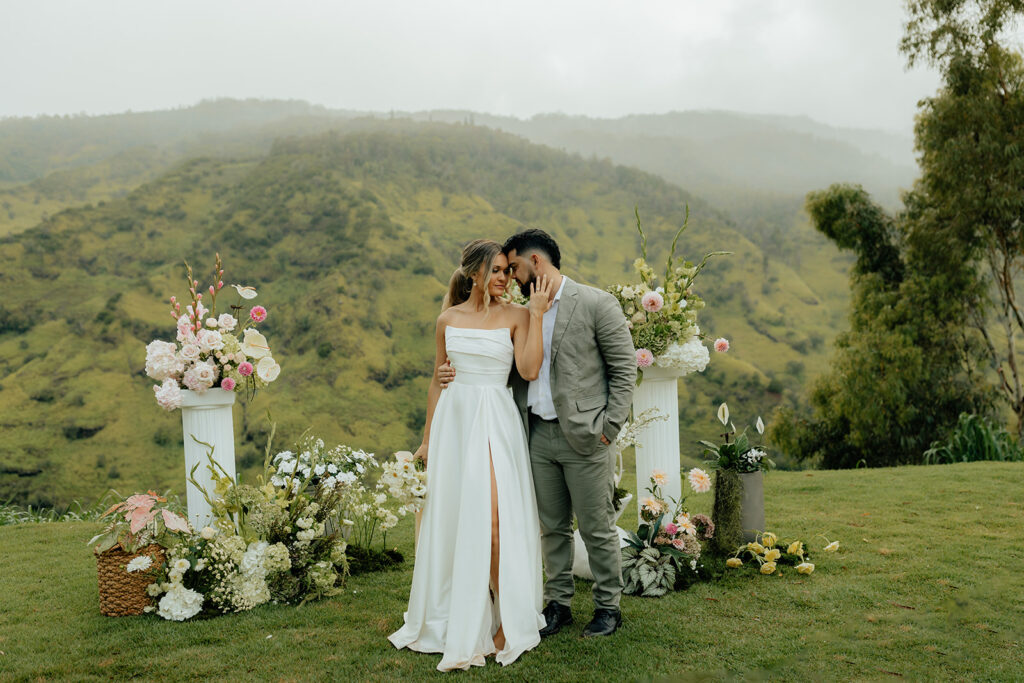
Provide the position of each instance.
(268, 369)
(245, 292)
(254, 344)
(760, 425)
(723, 414)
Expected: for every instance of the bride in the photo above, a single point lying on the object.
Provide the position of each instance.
(476, 586)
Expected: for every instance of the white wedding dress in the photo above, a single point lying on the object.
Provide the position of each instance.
(450, 608)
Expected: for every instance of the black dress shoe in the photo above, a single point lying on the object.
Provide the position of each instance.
(556, 616)
(604, 623)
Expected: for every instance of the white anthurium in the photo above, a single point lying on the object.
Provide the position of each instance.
(254, 344)
(245, 292)
(723, 413)
(759, 425)
(268, 369)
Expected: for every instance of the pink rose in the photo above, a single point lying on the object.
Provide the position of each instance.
(721, 345)
(258, 314)
(644, 358)
(652, 301)
(245, 369)
(671, 529)
(227, 384)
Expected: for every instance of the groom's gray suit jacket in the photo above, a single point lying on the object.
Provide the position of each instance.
(593, 368)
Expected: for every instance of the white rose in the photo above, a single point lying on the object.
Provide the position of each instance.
(267, 369)
(211, 322)
(205, 374)
(190, 353)
(254, 344)
(210, 340)
(208, 533)
(226, 322)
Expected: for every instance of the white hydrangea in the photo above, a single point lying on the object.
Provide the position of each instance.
(692, 356)
(168, 395)
(162, 360)
(180, 603)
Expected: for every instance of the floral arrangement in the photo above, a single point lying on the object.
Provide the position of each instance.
(340, 465)
(138, 521)
(514, 294)
(405, 480)
(770, 553)
(663, 318)
(740, 455)
(665, 552)
(211, 350)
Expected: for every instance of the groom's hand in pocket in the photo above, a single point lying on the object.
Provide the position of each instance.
(445, 374)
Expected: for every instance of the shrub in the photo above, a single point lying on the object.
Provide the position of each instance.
(974, 439)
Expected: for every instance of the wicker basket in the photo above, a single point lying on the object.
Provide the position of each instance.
(123, 594)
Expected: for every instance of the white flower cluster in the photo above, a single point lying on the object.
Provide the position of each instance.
(404, 482)
(692, 356)
(339, 466)
(751, 460)
(236, 574)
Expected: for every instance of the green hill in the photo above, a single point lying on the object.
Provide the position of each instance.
(350, 240)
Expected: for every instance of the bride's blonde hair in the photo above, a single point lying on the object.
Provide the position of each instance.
(477, 255)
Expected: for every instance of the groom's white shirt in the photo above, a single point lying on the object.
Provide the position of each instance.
(538, 397)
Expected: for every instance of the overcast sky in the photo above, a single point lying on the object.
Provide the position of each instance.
(833, 60)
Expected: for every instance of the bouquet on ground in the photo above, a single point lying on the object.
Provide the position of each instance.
(662, 318)
(211, 350)
(268, 542)
(769, 553)
(665, 552)
(739, 454)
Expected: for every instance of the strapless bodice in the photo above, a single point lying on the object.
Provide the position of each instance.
(480, 357)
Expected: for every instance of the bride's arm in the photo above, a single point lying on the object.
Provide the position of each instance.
(528, 334)
(434, 392)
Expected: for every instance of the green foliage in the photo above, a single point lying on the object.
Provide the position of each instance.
(975, 439)
(906, 369)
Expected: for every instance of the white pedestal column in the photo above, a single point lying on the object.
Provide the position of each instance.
(659, 447)
(206, 416)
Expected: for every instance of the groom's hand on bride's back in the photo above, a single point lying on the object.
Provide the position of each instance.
(445, 374)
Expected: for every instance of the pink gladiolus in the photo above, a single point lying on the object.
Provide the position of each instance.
(227, 384)
(212, 292)
(220, 283)
(245, 369)
(652, 301)
(644, 358)
(258, 314)
(173, 299)
(671, 529)
(721, 345)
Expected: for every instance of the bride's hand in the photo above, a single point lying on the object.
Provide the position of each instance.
(541, 295)
(421, 454)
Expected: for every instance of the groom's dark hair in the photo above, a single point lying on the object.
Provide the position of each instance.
(534, 239)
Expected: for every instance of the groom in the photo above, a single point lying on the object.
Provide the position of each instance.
(572, 412)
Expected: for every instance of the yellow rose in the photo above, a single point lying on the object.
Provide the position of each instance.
(795, 548)
(804, 568)
(734, 562)
(773, 554)
(767, 567)
(769, 539)
(832, 547)
(755, 548)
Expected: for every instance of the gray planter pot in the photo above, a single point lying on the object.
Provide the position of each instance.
(752, 506)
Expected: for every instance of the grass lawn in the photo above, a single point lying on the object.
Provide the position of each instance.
(928, 584)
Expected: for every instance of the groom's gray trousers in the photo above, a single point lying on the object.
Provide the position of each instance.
(566, 481)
